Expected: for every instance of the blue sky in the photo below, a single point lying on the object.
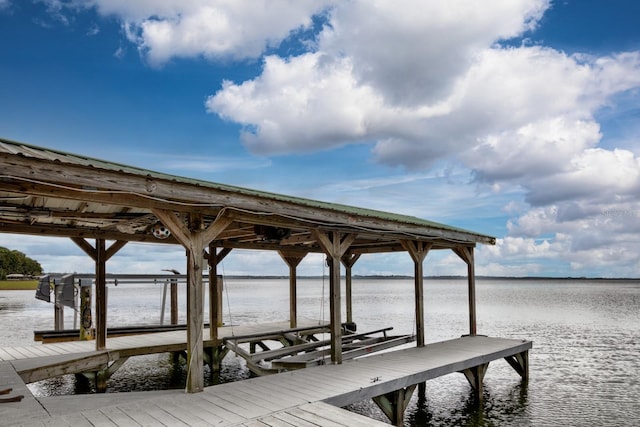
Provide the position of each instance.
(515, 118)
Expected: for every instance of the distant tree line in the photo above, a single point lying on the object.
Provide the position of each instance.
(15, 262)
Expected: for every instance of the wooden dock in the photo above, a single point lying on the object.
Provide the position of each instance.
(42, 361)
(301, 397)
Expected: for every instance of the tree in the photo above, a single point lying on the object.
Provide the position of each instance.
(15, 262)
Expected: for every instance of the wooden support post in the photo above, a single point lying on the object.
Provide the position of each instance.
(101, 295)
(173, 291)
(195, 309)
(335, 247)
(194, 236)
(215, 355)
(85, 313)
(348, 261)
(58, 308)
(395, 403)
(292, 259)
(520, 363)
(215, 300)
(101, 376)
(418, 252)
(475, 376)
(100, 255)
(215, 289)
(466, 254)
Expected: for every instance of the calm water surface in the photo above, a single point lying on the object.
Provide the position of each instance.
(584, 366)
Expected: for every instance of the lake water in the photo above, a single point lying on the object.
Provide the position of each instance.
(584, 365)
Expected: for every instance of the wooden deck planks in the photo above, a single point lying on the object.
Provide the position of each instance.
(27, 410)
(186, 413)
(41, 356)
(300, 398)
(324, 415)
(138, 414)
(119, 418)
(97, 418)
(161, 416)
(272, 395)
(227, 409)
(313, 415)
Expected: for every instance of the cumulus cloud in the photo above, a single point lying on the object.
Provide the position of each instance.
(210, 28)
(411, 51)
(425, 82)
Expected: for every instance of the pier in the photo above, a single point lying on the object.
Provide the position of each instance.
(388, 378)
(103, 206)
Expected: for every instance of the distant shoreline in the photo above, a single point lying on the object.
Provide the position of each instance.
(31, 285)
(400, 277)
(18, 285)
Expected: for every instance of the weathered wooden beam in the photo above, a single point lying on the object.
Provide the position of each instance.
(114, 248)
(176, 225)
(395, 403)
(292, 259)
(335, 245)
(78, 182)
(194, 236)
(81, 363)
(348, 260)
(418, 251)
(466, 254)
(85, 246)
(101, 295)
(475, 376)
(520, 363)
(79, 232)
(214, 257)
(100, 255)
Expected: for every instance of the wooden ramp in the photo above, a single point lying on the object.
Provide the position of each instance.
(294, 398)
(300, 348)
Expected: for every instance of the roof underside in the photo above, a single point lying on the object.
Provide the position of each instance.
(46, 192)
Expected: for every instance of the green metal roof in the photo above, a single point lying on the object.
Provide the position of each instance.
(27, 150)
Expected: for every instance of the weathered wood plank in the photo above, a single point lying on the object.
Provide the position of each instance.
(119, 417)
(160, 414)
(242, 394)
(350, 419)
(14, 353)
(139, 414)
(97, 418)
(240, 405)
(229, 409)
(313, 381)
(184, 413)
(213, 414)
(292, 420)
(277, 397)
(4, 356)
(68, 421)
(290, 388)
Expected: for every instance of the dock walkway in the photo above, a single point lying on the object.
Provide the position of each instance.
(41, 361)
(279, 397)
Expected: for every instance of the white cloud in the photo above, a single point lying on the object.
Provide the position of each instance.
(412, 51)
(424, 83)
(523, 153)
(310, 102)
(210, 28)
(595, 174)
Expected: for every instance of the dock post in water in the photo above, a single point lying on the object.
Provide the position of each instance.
(85, 313)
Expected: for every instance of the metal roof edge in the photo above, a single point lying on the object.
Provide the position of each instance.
(86, 161)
